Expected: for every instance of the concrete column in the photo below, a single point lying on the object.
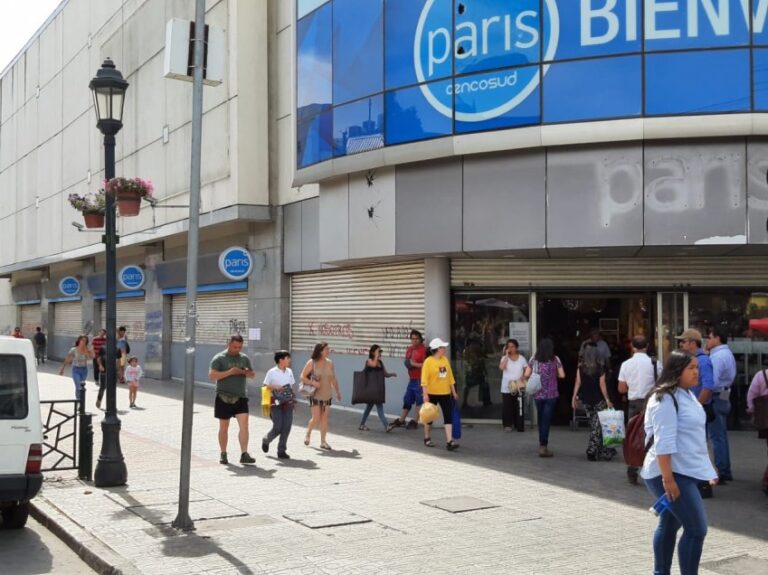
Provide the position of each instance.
(156, 321)
(437, 299)
(268, 293)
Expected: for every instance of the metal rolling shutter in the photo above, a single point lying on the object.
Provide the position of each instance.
(31, 318)
(131, 313)
(68, 318)
(612, 273)
(355, 308)
(219, 315)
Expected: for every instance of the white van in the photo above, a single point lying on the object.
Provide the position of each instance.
(21, 431)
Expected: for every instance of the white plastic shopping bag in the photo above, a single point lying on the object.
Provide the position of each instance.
(612, 423)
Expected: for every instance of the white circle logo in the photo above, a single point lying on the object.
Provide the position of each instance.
(507, 79)
(235, 263)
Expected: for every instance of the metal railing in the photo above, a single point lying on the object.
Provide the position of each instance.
(67, 436)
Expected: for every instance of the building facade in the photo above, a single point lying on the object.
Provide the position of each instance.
(475, 170)
(527, 169)
(50, 148)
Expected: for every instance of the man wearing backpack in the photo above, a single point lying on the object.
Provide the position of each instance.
(637, 377)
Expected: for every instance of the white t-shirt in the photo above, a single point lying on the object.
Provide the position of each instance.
(638, 373)
(277, 376)
(513, 371)
(133, 373)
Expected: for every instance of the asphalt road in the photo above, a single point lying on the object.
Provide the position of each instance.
(35, 550)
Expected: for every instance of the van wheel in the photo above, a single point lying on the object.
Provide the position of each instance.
(15, 517)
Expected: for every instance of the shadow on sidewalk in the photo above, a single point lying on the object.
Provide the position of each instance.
(296, 463)
(191, 545)
(250, 471)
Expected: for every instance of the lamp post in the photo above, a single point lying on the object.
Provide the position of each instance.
(109, 87)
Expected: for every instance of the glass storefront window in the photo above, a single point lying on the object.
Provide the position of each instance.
(591, 89)
(482, 324)
(358, 46)
(744, 315)
(411, 117)
(685, 82)
(359, 126)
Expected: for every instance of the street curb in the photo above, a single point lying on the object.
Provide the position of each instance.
(98, 556)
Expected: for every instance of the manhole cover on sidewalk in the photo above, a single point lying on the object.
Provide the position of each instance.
(198, 510)
(459, 504)
(323, 519)
(738, 566)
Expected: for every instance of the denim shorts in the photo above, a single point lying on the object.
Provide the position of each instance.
(413, 394)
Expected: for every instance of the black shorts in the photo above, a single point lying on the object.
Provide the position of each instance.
(445, 402)
(224, 410)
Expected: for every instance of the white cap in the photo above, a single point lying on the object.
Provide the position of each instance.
(437, 342)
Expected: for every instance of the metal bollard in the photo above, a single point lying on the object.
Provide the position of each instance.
(85, 464)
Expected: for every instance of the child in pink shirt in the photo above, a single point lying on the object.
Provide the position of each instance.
(133, 375)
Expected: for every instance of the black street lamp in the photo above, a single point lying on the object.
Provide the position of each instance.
(109, 89)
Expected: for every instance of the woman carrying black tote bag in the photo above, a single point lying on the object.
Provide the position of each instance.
(368, 387)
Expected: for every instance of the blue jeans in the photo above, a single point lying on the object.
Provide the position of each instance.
(687, 512)
(545, 409)
(379, 410)
(79, 375)
(718, 434)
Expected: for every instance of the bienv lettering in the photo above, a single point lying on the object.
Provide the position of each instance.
(715, 14)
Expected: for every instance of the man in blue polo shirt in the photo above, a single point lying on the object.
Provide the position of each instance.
(724, 371)
(691, 341)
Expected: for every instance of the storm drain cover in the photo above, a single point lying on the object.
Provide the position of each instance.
(325, 519)
(165, 513)
(459, 504)
(738, 566)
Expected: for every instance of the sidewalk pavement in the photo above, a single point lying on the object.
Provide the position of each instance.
(372, 505)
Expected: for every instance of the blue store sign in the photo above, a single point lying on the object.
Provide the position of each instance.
(435, 68)
(236, 263)
(132, 277)
(69, 286)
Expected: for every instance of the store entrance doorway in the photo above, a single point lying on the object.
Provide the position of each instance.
(570, 318)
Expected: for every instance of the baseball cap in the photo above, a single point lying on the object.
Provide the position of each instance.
(690, 334)
(437, 342)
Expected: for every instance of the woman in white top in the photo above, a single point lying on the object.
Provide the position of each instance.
(512, 366)
(677, 460)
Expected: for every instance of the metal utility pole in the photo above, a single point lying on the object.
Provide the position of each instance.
(183, 520)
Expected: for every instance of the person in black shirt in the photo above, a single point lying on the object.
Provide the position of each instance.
(41, 342)
(592, 390)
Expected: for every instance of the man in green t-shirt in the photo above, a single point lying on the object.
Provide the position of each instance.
(229, 369)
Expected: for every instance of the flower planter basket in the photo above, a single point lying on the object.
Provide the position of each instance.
(128, 194)
(128, 204)
(93, 219)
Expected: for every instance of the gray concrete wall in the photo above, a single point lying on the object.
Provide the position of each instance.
(709, 195)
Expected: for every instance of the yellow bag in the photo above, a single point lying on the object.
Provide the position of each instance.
(266, 400)
(428, 413)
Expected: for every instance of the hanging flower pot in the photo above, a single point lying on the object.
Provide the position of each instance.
(128, 193)
(93, 219)
(92, 207)
(128, 204)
